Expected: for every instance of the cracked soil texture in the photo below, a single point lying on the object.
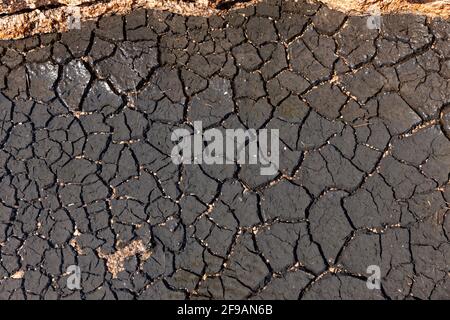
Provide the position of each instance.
(86, 176)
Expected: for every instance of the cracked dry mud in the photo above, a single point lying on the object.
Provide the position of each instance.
(86, 176)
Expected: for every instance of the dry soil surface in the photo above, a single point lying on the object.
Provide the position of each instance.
(86, 176)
